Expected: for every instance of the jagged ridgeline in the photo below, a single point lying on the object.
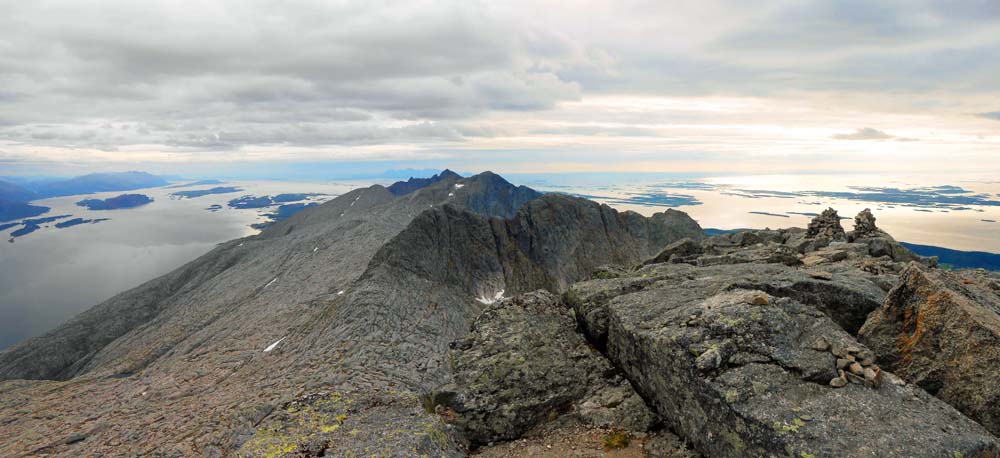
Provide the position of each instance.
(317, 336)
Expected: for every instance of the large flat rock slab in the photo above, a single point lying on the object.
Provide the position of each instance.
(741, 372)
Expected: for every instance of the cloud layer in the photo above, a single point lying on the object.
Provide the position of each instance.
(489, 83)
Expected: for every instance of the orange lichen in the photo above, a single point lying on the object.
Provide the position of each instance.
(918, 324)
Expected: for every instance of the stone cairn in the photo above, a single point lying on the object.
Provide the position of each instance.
(827, 224)
(854, 364)
(864, 225)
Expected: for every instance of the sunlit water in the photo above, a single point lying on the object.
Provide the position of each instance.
(53, 274)
(724, 204)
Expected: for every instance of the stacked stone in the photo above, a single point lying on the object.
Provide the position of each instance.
(864, 225)
(854, 365)
(827, 224)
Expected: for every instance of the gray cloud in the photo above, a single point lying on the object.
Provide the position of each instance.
(995, 115)
(865, 133)
(236, 73)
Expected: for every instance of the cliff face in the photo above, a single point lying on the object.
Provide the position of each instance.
(351, 303)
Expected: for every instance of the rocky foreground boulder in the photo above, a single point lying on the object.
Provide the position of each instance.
(523, 362)
(740, 372)
(744, 345)
(941, 331)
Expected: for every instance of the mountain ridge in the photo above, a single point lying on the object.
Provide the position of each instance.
(308, 290)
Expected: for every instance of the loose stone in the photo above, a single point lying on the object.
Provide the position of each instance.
(821, 275)
(821, 344)
(709, 360)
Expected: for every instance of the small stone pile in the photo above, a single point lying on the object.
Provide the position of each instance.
(854, 365)
(827, 224)
(864, 225)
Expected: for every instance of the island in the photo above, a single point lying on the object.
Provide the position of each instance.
(769, 214)
(115, 203)
(246, 202)
(204, 192)
(78, 221)
(27, 229)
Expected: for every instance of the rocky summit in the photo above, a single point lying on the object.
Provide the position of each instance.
(456, 316)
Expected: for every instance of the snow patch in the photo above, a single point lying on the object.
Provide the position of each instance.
(356, 200)
(272, 346)
(340, 293)
(459, 185)
(451, 194)
(490, 300)
(315, 248)
(271, 282)
(241, 244)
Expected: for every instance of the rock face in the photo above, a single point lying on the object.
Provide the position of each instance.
(941, 331)
(738, 371)
(827, 224)
(524, 363)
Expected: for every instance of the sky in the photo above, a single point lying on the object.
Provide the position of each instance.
(706, 86)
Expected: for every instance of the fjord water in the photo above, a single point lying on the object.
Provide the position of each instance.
(53, 274)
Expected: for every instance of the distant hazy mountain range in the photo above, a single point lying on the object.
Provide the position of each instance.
(29, 190)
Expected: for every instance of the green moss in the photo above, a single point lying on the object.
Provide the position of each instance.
(732, 396)
(734, 441)
(617, 438)
(303, 421)
(807, 455)
(784, 427)
(436, 435)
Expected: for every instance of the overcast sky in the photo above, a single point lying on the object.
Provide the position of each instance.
(532, 86)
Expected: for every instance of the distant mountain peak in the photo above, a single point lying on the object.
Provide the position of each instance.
(400, 188)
